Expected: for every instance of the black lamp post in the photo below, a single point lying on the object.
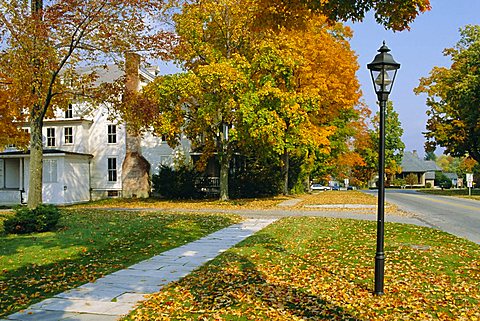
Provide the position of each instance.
(383, 70)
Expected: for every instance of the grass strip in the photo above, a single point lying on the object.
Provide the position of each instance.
(322, 269)
(463, 193)
(88, 245)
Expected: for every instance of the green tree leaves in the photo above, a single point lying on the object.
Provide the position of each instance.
(453, 97)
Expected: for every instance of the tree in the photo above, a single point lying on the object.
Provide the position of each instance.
(262, 48)
(448, 163)
(42, 48)
(276, 89)
(364, 146)
(430, 156)
(393, 14)
(394, 145)
(411, 179)
(458, 165)
(442, 180)
(453, 97)
(304, 93)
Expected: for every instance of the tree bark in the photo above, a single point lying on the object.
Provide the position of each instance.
(35, 180)
(35, 183)
(224, 159)
(224, 170)
(285, 169)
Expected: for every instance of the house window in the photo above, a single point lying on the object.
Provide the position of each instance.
(112, 134)
(69, 111)
(50, 137)
(112, 169)
(49, 170)
(68, 135)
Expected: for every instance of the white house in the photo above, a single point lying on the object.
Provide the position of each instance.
(83, 155)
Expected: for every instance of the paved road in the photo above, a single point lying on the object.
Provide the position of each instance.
(460, 217)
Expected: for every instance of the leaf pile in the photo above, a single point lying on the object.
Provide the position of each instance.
(91, 243)
(322, 269)
(339, 197)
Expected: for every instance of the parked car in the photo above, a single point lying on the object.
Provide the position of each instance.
(320, 187)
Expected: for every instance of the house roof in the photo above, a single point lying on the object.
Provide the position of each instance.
(5, 154)
(111, 73)
(430, 175)
(411, 163)
(451, 175)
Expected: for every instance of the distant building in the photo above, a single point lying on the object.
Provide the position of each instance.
(423, 170)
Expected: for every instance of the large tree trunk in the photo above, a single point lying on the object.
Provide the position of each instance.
(306, 183)
(224, 170)
(135, 168)
(35, 180)
(285, 169)
(224, 159)
(36, 162)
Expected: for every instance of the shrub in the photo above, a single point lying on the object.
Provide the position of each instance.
(442, 180)
(41, 219)
(255, 180)
(176, 183)
(399, 182)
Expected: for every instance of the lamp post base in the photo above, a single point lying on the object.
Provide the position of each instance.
(379, 273)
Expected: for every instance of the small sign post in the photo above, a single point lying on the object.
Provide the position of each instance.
(469, 183)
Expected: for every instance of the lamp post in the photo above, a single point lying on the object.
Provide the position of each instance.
(383, 70)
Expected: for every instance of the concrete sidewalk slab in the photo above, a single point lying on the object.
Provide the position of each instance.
(290, 202)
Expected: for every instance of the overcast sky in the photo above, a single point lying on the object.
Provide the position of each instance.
(418, 51)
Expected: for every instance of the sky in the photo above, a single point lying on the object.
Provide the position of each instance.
(418, 51)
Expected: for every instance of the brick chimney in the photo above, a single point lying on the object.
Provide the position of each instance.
(135, 168)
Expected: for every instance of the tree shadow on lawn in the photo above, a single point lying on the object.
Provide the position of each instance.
(235, 282)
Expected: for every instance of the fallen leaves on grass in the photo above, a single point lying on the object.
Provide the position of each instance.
(322, 269)
(254, 203)
(352, 198)
(92, 243)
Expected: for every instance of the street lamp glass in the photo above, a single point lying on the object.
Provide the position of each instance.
(383, 80)
(383, 70)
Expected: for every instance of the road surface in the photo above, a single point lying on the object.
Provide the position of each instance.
(457, 216)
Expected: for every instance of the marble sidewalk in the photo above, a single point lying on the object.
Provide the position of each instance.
(111, 297)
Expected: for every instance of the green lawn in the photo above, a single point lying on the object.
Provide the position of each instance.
(89, 244)
(475, 193)
(322, 269)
